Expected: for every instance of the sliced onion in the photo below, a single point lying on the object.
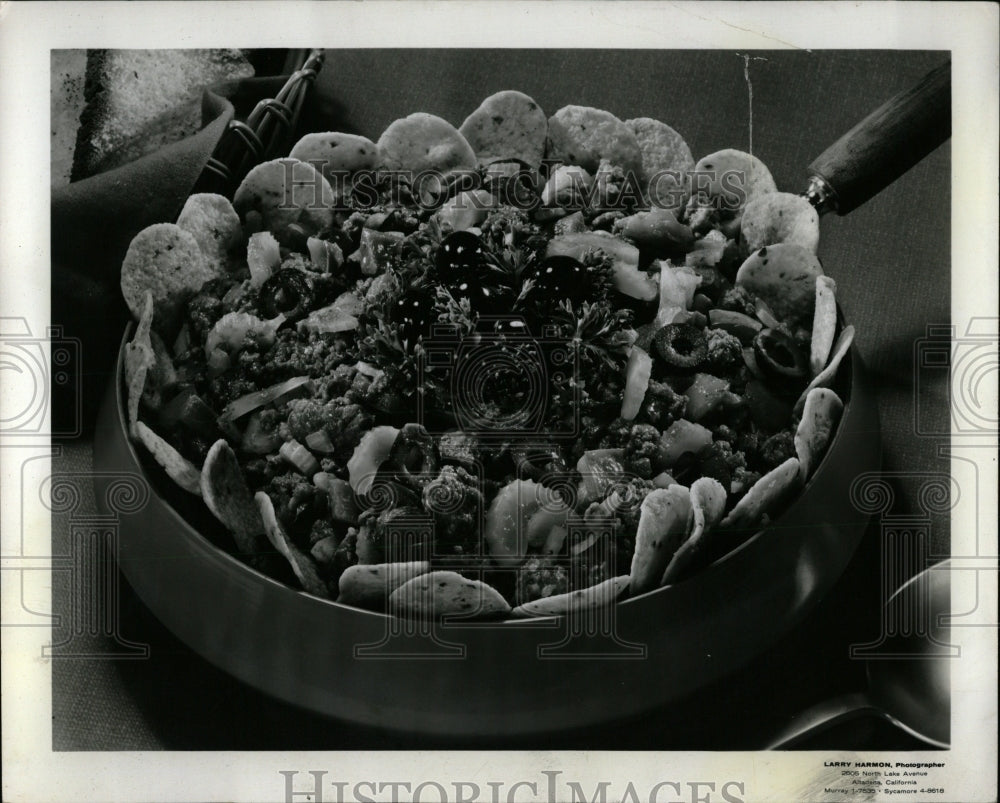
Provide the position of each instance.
(328, 320)
(299, 457)
(677, 288)
(374, 448)
(367, 369)
(326, 256)
(299, 385)
(350, 302)
(263, 257)
(319, 441)
(637, 373)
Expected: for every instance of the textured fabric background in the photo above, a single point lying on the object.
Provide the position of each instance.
(891, 260)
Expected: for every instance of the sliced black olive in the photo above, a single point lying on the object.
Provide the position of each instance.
(286, 292)
(779, 357)
(414, 456)
(681, 345)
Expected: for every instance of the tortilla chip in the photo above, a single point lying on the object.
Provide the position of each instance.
(370, 586)
(139, 356)
(215, 225)
(764, 495)
(662, 147)
(337, 155)
(581, 135)
(731, 179)
(819, 416)
(779, 217)
(161, 376)
(302, 564)
(228, 497)
(666, 162)
(286, 191)
(824, 323)
(424, 142)
(443, 593)
(572, 602)
(825, 377)
(664, 522)
(165, 260)
(178, 468)
(708, 503)
(783, 276)
(508, 125)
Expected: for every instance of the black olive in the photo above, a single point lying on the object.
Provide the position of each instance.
(414, 314)
(559, 277)
(459, 258)
(682, 345)
(779, 357)
(286, 292)
(413, 458)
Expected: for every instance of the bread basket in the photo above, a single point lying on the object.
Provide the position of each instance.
(265, 134)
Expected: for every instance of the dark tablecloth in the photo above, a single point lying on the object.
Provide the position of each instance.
(891, 260)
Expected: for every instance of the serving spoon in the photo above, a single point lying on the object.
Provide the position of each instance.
(908, 678)
(883, 146)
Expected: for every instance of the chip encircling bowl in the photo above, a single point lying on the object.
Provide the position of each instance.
(497, 679)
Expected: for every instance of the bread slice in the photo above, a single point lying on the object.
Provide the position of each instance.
(139, 100)
(68, 70)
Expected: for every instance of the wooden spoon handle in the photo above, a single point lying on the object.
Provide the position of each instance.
(886, 144)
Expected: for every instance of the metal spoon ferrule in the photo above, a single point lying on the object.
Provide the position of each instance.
(821, 195)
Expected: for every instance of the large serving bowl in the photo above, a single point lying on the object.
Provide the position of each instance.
(475, 679)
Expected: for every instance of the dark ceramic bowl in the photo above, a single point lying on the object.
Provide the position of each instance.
(495, 679)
